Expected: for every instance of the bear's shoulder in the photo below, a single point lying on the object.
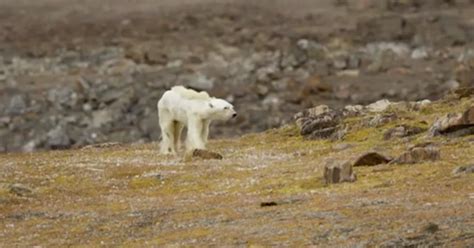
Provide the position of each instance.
(190, 94)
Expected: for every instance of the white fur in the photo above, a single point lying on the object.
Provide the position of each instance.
(180, 107)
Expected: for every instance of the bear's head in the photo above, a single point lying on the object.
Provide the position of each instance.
(219, 109)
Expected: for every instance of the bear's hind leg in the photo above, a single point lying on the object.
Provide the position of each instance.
(167, 134)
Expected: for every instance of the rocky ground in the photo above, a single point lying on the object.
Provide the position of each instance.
(406, 171)
(73, 74)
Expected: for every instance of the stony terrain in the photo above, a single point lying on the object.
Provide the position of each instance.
(77, 73)
(268, 190)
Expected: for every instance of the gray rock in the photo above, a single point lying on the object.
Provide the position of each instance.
(63, 97)
(318, 122)
(454, 124)
(352, 110)
(340, 63)
(463, 170)
(102, 117)
(57, 138)
(20, 190)
(17, 105)
(338, 172)
(420, 53)
(418, 155)
(197, 81)
(380, 119)
(378, 106)
(401, 131)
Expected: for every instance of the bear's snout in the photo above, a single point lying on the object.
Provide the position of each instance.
(234, 115)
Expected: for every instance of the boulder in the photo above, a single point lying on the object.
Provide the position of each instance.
(338, 172)
(418, 154)
(371, 158)
(454, 124)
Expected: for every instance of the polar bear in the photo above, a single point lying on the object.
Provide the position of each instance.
(180, 107)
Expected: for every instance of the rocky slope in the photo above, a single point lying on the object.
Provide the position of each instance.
(77, 74)
(268, 190)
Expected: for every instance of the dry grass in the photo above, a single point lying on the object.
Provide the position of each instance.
(131, 196)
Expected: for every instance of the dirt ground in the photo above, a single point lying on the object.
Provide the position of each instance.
(65, 64)
(83, 72)
(268, 191)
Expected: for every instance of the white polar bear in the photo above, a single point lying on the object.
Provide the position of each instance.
(181, 107)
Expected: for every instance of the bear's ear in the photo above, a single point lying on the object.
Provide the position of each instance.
(211, 106)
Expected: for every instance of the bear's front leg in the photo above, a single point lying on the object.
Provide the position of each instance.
(194, 137)
(205, 131)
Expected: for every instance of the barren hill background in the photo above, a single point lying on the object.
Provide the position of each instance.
(79, 72)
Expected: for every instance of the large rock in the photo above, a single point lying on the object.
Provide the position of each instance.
(338, 172)
(318, 123)
(371, 159)
(454, 124)
(418, 154)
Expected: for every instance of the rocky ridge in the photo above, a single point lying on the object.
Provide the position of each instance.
(84, 91)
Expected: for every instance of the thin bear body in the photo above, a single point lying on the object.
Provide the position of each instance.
(180, 107)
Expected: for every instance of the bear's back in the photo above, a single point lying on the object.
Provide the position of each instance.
(190, 94)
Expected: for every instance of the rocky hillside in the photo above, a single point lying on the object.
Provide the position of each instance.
(78, 74)
(389, 174)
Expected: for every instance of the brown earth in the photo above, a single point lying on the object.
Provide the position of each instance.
(267, 191)
(65, 64)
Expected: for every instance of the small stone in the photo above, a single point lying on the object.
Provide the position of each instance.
(464, 92)
(58, 138)
(102, 145)
(379, 106)
(348, 73)
(268, 204)
(17, 105)
(205, 154)
(338, 172)
(20, 189)
(418, 155)
(401, 131)
(313, 85)
(463, 170)
(342, 146)
(340, 63)
(431, 228)
(63, 97)
(371, 159)
(380, 119)
(420, 53)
